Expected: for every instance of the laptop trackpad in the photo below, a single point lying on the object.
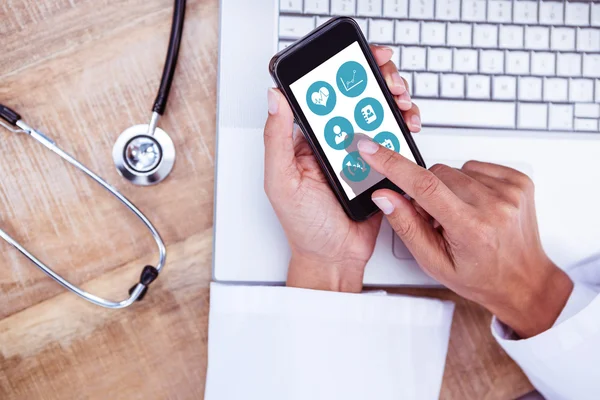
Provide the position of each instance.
(400, 250)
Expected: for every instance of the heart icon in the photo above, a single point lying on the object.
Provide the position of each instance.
(320, 97)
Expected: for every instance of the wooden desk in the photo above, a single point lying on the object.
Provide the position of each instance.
(83, 71)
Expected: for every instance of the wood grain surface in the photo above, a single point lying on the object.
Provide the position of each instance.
(83, 71)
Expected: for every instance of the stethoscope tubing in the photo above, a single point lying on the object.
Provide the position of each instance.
(172, 55)
(137, 290)
(15, 124)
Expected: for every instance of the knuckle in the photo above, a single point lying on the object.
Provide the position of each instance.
(415, 107)
(526, 182)
(436, 168)
(406, 229)
(506, 211)
(427, 185)
(441, 170)
(514, 196)
(388, 161)
(470, 165)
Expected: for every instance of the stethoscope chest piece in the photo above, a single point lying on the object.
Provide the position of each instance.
(144, 155)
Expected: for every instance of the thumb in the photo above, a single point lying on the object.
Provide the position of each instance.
(422, 240)
(280, 156)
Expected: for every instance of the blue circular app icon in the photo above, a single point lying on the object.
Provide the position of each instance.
(339, 133)
(321, 98)
(355, 168)
(368, 114)
(389, 140)
(351, 79)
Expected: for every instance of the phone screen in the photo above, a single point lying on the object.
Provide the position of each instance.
(343, 102)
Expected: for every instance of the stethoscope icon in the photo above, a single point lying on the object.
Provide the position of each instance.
(143, 154)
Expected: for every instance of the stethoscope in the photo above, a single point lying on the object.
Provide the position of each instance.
(143, 154)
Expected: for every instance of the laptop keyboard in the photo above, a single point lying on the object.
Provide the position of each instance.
(503, 64)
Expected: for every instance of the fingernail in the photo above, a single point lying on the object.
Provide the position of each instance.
(404, 100)
(398, 81)
(385, 48)
(384, 205)
(415, 120)
(273, 101)
(367, 146)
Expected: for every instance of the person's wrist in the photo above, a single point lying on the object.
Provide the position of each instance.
(535, 305)
(312, 272)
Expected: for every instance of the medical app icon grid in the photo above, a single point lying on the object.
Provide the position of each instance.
(342, 102)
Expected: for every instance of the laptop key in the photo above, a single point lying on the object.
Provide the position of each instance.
(556, 90)
(343, 7)
(295, 27)
(381, 31)
(543, 64)
(407, 32)
(581, 90)
(369, 8)
(577, 13)
(465, 60)
(433, 33)
(452, 86)
(473, 10)
(464, 113)
(563, 39)
(587, 110)
(290, 6)
(485, 36)
(319, 7)
(504, 88)
(595, 14)
(517, 63)
(532, 116)
(586, 124)
(426, 84)
(530, 88)
(511, 37)
(459, 35)
(395, 8)
(525, 12)
(439, 59)
(588, 40)
(421, 9)
(591, 65)
(500, 11)
(568, 64)
(551, 13)
(478, 87)
(560, 117)
(447, 10)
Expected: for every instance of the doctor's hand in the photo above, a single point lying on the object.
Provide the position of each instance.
(329, 250)
(475, 230)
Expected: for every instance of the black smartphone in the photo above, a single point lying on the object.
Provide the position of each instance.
(338, 95)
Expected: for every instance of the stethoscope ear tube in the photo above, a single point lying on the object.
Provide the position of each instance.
(9, 115)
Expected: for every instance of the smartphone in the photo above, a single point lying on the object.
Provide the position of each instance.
(338, 95)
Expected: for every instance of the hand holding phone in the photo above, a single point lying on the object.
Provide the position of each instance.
(329, 250)
(338, 96)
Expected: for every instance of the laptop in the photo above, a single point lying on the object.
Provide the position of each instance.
(511, 82)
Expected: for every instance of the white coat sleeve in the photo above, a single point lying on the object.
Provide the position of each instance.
(273, 343)
(562, 362)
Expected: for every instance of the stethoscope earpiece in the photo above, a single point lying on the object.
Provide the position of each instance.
(144, 154)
